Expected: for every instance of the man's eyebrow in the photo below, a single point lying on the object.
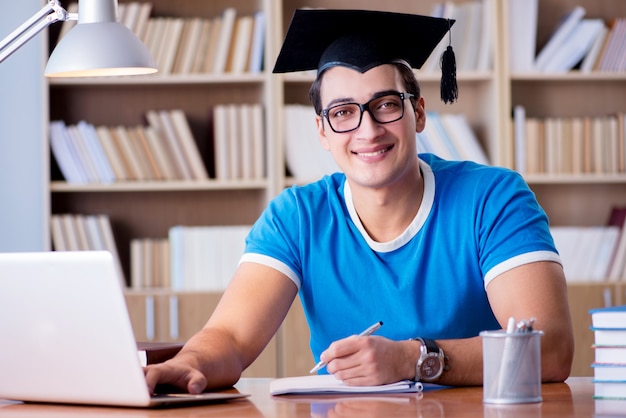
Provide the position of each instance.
(340, 100)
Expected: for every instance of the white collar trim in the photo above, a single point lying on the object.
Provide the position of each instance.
(415, 225)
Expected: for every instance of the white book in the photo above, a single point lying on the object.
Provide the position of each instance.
(189, 47)
(136, 263)
(258, 142)
(81, 232)
(188, 144)
(522, 24)
(604, 253)
(175, 236)
(306, 159)
(70, 232)
(130, 15)
(247, 145)
(234, 142)
(94, 235)
(160, 152)
(142, 20)
(255, 62)
(485, 50)
(220, 142)
(566, 240)
(59, 241)
(63, 155)
(562, 32)
(86, 159)
(128, 150)
(613, 50)
(224, 40)
(155, 32)
(593, 55)
(112, 152)
(468, 144)
(609, 354)
(171, 42)
(618, 262)
(203, 47)
(106, 231)
(241, 44)
(103, 166)
(471, 37)
(452, 152)
(592, 241)
(575, 47)
(168, 133)
(432, 135)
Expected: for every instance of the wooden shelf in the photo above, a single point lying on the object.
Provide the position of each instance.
(154, 186)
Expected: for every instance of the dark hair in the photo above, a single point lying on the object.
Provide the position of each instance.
(408, 77)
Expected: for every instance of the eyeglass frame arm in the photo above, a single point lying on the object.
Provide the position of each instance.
(51, 13)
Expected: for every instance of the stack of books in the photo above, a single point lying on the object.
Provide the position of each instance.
(609, 366)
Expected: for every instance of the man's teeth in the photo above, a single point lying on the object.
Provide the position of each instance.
(371, 154)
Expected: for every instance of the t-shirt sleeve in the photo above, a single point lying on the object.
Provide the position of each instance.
(513, 228)
(274, 237)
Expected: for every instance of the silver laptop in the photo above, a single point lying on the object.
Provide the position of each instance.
(66, 337)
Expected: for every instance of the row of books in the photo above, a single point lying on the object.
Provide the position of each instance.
(238, 141)
(451, 137)
(150, 263)
(609, 366)
(594, 253)
(205, 257)
(447, 135)
(576, 42)
(191, 258)
(574, 145)
(163, 150)
(75, 232)
(227, 43)
(471, 36)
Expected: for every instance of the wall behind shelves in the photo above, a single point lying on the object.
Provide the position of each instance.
(23, 157)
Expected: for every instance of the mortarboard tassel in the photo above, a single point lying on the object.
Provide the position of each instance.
(449, 88)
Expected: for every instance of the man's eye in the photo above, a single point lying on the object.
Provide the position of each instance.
(390, 104)
(341, 112)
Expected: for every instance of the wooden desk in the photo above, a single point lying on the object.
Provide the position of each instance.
(570, 399)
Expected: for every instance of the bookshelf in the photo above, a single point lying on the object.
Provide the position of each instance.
(573, 199)
(146, 209)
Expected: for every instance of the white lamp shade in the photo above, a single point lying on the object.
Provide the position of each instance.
(100, 49)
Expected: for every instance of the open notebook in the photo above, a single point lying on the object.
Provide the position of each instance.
(65, 334)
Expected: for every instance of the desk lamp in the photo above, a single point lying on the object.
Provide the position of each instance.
(98, 45)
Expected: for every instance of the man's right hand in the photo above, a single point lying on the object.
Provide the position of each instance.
(175, 372)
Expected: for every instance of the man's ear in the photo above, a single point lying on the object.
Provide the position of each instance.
(420, 115)
(321, 133)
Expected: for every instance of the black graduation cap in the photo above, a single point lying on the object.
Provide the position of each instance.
(363, 39)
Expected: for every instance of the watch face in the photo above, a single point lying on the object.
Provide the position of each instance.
(430, 367)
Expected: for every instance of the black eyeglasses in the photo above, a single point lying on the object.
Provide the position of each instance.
(346, 117)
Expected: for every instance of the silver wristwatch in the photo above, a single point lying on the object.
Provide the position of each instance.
(432, 361)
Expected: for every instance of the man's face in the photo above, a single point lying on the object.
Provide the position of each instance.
(374, 154)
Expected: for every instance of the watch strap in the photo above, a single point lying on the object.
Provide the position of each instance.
(431, 345)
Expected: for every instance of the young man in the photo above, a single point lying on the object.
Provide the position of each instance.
(436, 250)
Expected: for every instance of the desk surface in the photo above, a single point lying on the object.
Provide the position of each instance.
(570, 399)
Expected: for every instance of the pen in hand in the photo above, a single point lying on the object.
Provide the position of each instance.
(369, 331)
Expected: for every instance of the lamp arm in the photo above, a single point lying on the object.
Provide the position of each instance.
(51, 13)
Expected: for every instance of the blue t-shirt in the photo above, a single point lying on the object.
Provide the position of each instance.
(474, 223)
